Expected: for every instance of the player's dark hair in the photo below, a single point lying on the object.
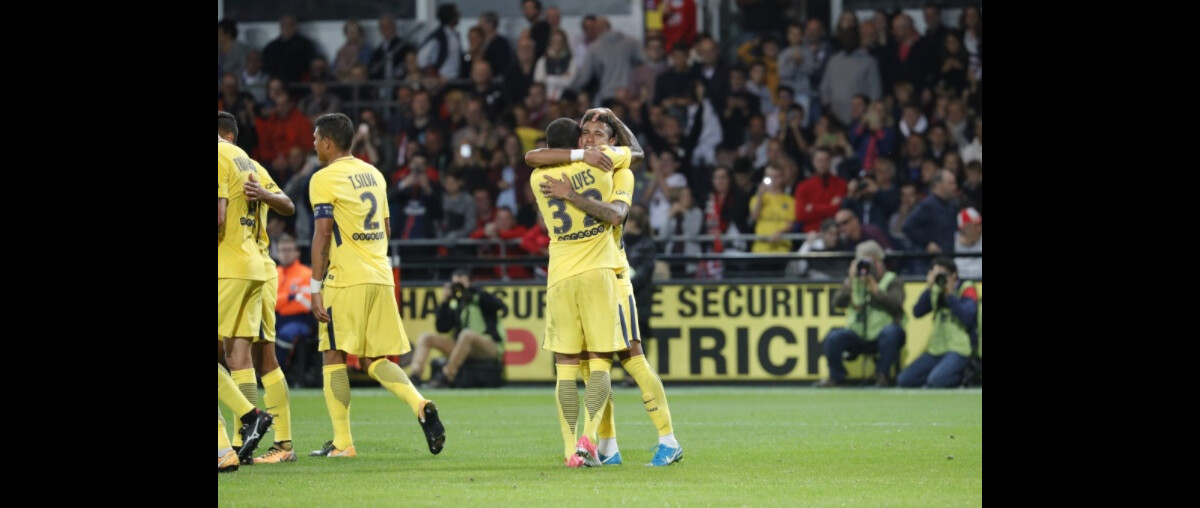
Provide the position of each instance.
(226, 123)
(563, 133)
(338, 128)
(228, 26)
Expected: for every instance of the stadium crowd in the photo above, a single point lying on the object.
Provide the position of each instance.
(855, 124)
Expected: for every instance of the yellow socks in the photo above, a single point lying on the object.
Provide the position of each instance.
(337, 400)
(653, 395)
(278, 403)
(392, 377)
(566, 394)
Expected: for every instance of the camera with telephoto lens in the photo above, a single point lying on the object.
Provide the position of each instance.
(457, 291)
(940, 279)
(864, 267)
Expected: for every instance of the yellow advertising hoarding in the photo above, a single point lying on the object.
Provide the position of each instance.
(699, 332)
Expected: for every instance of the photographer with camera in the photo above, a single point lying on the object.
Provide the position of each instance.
(954, 304)
(468, 326)
(874, 302)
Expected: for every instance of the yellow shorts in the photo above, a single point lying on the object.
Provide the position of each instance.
(628, 310)
(364, 321)
(270, 293)
(582, 310)
(239, 307)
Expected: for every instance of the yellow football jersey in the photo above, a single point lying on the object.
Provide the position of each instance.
(578, 241)
(623, 182)
(238, 256)
(353, 194)
(264, 240)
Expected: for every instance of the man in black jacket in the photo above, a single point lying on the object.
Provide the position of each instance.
(468, 326)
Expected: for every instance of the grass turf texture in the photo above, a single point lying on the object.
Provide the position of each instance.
(743, 446)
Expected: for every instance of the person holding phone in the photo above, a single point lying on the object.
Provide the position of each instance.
(773, 212)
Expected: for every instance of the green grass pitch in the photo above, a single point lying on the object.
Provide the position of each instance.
(743, 446)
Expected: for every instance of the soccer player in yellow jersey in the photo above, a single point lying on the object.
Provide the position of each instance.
(581, 291)
(240, 279)
(263, 347)
(600, 127)
(354, 299)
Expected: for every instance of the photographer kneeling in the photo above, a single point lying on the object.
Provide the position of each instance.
(953, 303)
(469, 319)
(874, 319)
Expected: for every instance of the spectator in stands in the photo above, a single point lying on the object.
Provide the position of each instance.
(485, 206)
(711, 72)
(757, 84)
(763, 50)
(502, 228)
(685, 220)
(911, 58)
(539, 29)
(468, 325)
(939, 143)
(957, 123)
(973, 185)
(794, 138)
(296, 188)
(486, 90)
(820, 196)
(952, 68)
(954, 305)
(240, 104)
(290, 55)
(678, 22)
(520, 73)
(294, 321)
(796, 65)
(908, 202)
(231, 54)
(850, 72)
(458, 212)
(353, 51)
(581, 45)
(971, 27)
(874, 139)
(284, 129)
(727, 209)
(442, 51)
(675, 85)
(772, 212)
(969, 240)
(953, 162)
(415, 205)
(911, 156)
(646, 75)
(931, 225)
(755, 147)
(874, 197)
(855, 232)
(319, 100)
(497, 50)
(367, 141)
(389, 54)
(935, 29)
(974, 150)
(537, 242)
(873, 297)
(828, 240)
(611, 59)
(253, 79)
(870, 40)
(912, 121)
(318, 69)
(664, 166)
(556, 68)
(512, 171)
